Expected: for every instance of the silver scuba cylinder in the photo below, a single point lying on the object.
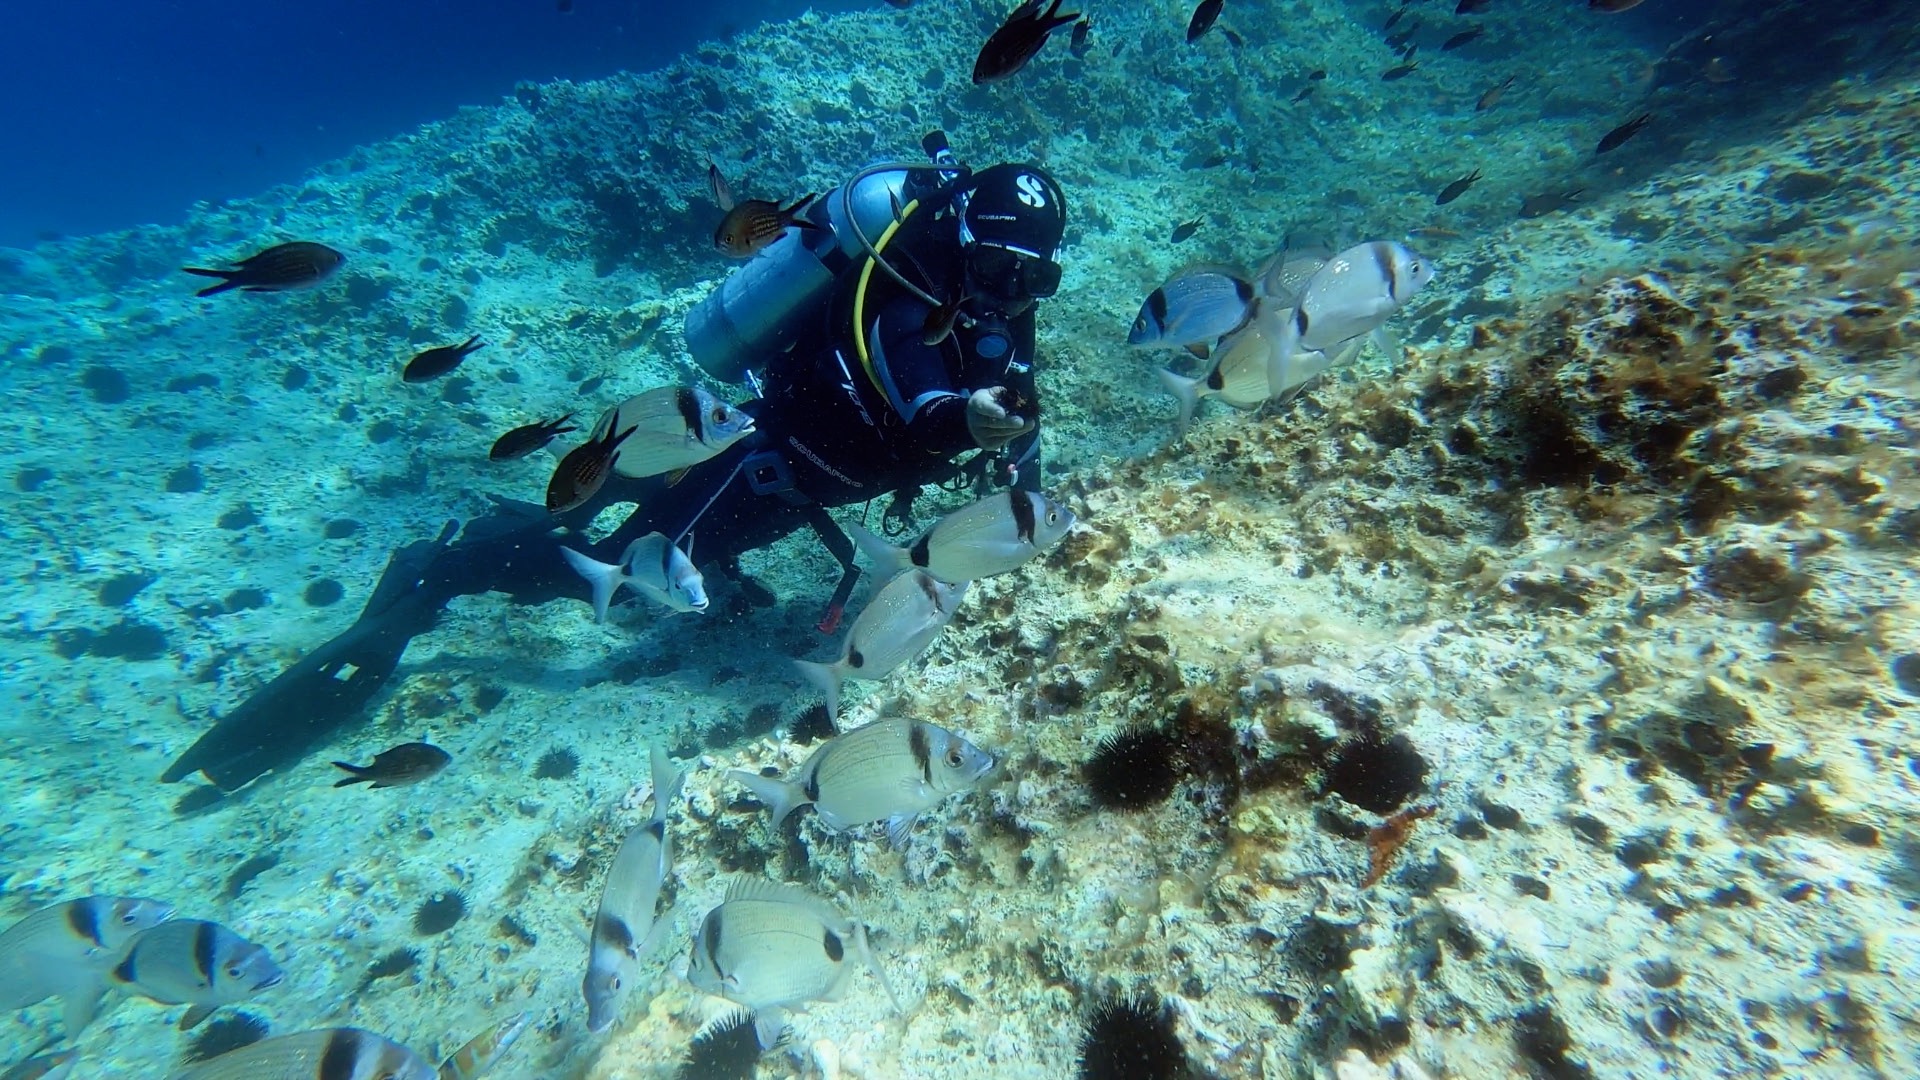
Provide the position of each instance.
(759, 309)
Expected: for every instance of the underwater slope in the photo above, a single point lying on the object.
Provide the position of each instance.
(1512, 550)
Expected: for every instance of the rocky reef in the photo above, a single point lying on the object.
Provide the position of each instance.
(1537, 701)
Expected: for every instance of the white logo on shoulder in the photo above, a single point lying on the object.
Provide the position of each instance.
(1032, 193)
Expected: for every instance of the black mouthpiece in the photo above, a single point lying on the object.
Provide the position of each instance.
(938, 149)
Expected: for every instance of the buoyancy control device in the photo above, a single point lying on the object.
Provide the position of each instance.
(757, 312)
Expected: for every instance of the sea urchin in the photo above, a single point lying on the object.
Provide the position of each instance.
(556, 764)
(225, 1035)
(1131, 1038)
(725, 1049)
(1133, 769)
(438, 913)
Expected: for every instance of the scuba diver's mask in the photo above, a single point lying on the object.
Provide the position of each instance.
(1004, 285)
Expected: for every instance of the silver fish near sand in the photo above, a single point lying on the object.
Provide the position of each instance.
(197, 963)
(889, 770)
(1287, 272)
(1239, 373)
(774, 947)
(65, 950)
(55, 1066)
(324, 1054)
(1349, 297)
(624, 929)
(1194, 307)
(1001, 532)
(675, 427)
(897, 625)
(486, 1049)
(652, 566)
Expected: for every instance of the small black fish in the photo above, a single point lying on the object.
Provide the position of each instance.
(1018, 40)
(1186, 229)
(1394, 18)
(581, 473)
(1399, 41)
(1492, 97)
(1395, 74)
(1306, 92)
(1612, 139)
(527, 438)
(566, 7)
(1457, 188)
(1078, 44)
(1203, 19)
(1461, 38)
(1471, 7)
(751, 224)
(901, 4)
(1317, 74)
(281, 268)
(1233, 37)
(939, 322)
(408, 763)
(1542, 205)
(438, 361)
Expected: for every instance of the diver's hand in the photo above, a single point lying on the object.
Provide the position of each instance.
(988, 420)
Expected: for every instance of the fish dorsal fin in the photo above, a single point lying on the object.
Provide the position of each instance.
(722, 191)
(1225, 269)
(779, 892)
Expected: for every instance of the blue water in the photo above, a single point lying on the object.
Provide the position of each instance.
(1531, 694)
(120, 114)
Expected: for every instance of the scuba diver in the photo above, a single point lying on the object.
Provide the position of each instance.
(893, 336)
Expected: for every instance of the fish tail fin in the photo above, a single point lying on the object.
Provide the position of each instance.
(827, 678)
(667, 782)
(887, 559)
(229, 279)
(1187, 392)
(1280, 356)
(359, 774)
(1388, 343)
(603, 578)
(781, 796)
(865, 948)
(78, 1009)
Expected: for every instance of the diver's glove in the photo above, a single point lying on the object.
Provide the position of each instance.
(989, 420)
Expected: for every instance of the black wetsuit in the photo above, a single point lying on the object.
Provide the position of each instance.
(828, 434)
(832, 431)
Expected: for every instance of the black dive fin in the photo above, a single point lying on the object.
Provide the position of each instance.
(281, 722)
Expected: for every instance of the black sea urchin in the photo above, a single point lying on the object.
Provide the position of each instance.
(1131, 1039)
(226, 1034)
(812, 725)
(725, 1049)
(439, 912)
(1133, 769)
(556, 764)
(1377, 774)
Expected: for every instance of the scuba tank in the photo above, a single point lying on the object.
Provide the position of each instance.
(759, 309)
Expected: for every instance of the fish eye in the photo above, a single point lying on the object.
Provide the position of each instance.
(235, 972)
(953, 758)
(128, 919)
(614, 982)
(1053, 517)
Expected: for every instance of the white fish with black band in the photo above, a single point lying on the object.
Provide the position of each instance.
(624, 927)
